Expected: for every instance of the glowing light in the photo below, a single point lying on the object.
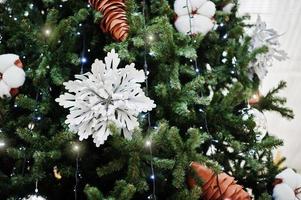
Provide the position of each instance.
(151, 37)
(83, 60)
(148, 143)
(76, 148)
(2, 144)
(152, 177)
(47, 32)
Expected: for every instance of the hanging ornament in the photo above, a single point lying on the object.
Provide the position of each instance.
(287, 185)
(12, 76)
(194, 16)
(217, 186)
(114, 17)
(259, 119)
(34, 197)
(107, 95)
(264, 37)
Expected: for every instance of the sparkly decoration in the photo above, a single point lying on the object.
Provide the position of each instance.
(194, 16)
(12, 75)
(107, 95)
(217, 186)
(34, 197)
(56, 173)
(114, 17)
(287, 185)
(263, 37)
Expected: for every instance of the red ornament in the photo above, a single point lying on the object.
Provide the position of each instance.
(217, 186)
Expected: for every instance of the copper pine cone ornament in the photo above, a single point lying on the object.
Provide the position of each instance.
(217, 187)
(114, 17)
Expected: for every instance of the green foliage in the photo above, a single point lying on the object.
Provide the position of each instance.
(195, 119)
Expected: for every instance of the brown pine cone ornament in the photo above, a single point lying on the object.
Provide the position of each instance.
(114, 17)
(217, 187)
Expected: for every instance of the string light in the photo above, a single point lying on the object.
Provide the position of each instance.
(150, 38)
(2, 144)
(47, 32)
(76, 148)
(83, 60)
(148, 143)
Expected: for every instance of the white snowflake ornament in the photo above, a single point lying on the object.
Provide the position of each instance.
(262, 36)
(103, 96)
(194, 16)
(34, 197)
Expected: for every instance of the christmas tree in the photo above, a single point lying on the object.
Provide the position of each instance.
(186, 100)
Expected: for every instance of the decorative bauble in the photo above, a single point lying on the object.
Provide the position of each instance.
(194, 16)
(12, 75)
(114, 17)
(107, 95)
(287, 185)
(217, 186)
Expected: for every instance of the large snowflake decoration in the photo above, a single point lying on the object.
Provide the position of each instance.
(34, 197)
(107, 95)
(262, 36)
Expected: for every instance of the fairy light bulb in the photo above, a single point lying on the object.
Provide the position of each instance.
(2, 144)
(76, 148)
(47, 32)
(148, 143)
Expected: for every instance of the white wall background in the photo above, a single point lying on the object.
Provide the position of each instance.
(285, 17)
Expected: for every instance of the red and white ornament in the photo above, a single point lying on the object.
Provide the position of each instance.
(12, 75)
(194, 16)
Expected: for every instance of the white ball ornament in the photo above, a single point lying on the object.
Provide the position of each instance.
(207, 9)
(194, 16)
(14, 77)
(283, 192)
(289, 187)
(6, 61)
(288, 177)
(4, 89)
